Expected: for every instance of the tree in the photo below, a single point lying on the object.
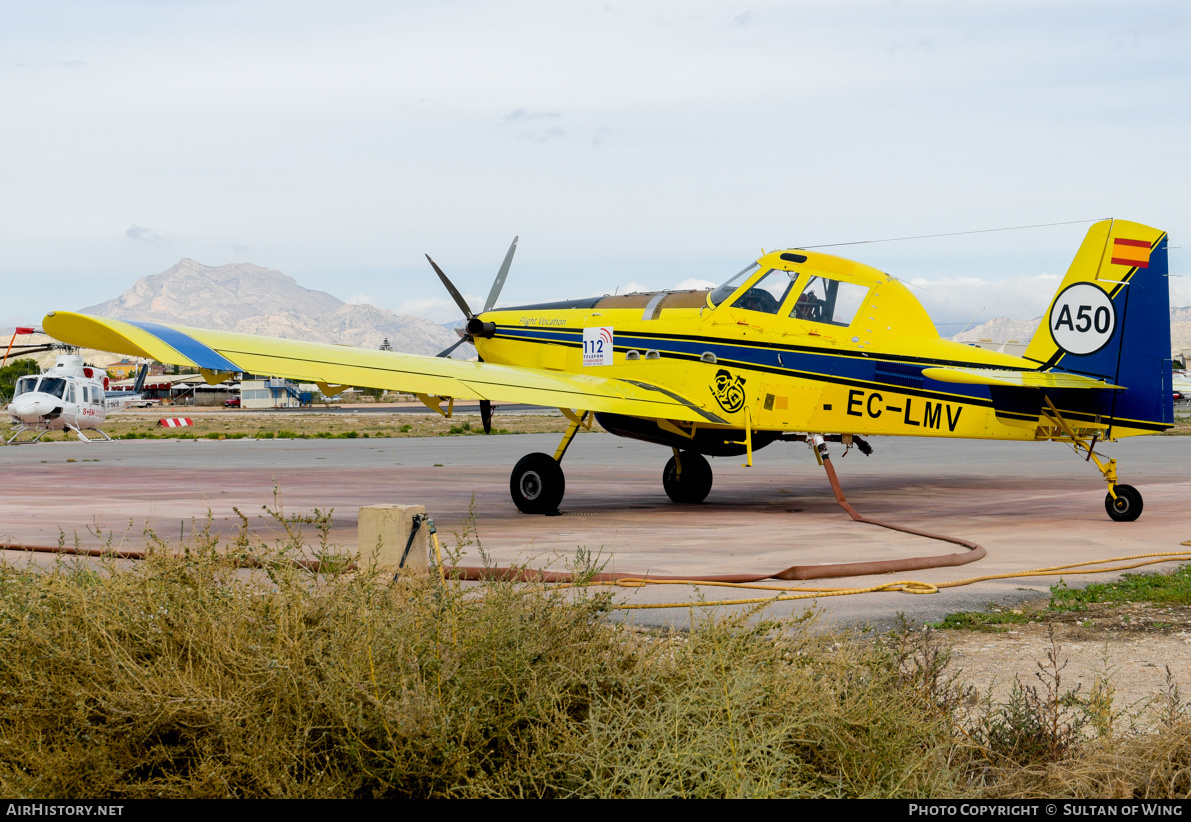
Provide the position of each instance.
(16, 369)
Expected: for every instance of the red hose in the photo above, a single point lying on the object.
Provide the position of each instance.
(794, 572)
(244, 562)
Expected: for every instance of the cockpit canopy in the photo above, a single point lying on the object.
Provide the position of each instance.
(821, 299)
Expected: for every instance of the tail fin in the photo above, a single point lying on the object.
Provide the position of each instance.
(141, 373)
(1111, 319)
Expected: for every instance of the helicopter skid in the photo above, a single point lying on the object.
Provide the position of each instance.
(12, 440)
(79, 433)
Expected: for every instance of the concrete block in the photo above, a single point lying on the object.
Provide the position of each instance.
(383, 532)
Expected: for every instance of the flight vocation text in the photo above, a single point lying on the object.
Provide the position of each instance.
(927, 415)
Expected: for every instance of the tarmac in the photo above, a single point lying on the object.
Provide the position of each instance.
(1029, 504)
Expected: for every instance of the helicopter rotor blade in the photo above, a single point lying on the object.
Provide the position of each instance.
(459, 301)
(499, 282)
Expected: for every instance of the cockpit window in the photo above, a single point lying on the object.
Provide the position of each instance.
(833, 302)
(54, 386)
(725, 291)
(768, 293)
(25, 384)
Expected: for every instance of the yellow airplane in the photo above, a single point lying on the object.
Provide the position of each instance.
(798, 346)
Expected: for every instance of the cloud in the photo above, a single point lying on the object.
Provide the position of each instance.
(694, 284)
(525, 116)
(960, 299)
(437, 309)
(138, 233)
(523, 113)
(743, 19)
(363, 299)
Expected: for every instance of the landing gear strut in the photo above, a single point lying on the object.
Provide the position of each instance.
(537, 484)
(687, 477)
(1123, 502)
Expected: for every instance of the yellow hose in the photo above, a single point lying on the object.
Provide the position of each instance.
(904, 586)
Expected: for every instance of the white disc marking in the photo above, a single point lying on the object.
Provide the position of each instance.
(1082, 319)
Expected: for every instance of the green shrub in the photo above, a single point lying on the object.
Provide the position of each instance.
(180, 677)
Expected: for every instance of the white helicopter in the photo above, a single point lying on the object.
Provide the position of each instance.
(71, 396)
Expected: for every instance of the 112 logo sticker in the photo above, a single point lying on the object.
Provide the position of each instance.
(597, 346)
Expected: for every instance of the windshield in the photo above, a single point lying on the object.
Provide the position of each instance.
(725, 291)
(25, 384)
(767, 294)
(54, 386)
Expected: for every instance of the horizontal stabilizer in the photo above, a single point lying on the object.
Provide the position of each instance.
(1016, 379)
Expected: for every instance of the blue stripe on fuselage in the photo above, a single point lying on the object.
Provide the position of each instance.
(201, 355)
(801, 364)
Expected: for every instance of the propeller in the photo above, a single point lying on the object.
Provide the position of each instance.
(475, 326)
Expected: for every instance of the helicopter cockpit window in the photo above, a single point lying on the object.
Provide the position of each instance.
(25, 384)
(725, 291)
(768, 293)
(833, 302)
(54, 386)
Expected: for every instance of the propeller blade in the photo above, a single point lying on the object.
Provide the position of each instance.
(486, 407)
(499, 282)
(459, 301)
(447, 352)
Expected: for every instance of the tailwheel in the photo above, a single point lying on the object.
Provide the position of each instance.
(537, 484)
(1127, 505)
(687, 477)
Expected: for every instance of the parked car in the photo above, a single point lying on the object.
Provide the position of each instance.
(234, 402)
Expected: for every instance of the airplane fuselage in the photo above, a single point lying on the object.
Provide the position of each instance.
(776, 363)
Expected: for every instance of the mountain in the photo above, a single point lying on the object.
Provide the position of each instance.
(1002, 329)
(255, 300)
(999, 330)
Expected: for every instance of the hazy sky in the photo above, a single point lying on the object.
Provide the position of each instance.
(628, 144)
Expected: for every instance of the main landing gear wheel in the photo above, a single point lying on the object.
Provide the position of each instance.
(537, 484)
(1127, 505)
(693, 483)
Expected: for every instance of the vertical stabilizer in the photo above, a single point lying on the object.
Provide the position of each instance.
(1110, 319)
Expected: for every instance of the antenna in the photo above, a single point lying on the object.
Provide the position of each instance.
(965, 328)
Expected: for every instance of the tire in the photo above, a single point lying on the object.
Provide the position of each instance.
(537, 484)
(1126, 507)
(695, 482)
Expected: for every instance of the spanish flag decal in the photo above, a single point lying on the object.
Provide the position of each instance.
(1131, 252)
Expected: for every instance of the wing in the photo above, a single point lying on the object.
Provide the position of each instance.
(1017, 379)
(225, 351)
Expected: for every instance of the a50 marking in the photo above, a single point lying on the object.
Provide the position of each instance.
(1082, 319)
